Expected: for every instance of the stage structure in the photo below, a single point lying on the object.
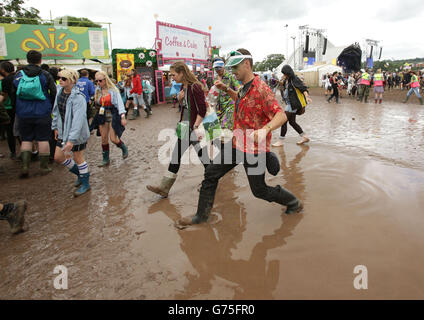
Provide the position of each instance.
(313, 45)
(372, 49)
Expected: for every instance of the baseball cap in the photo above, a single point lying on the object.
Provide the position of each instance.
(236, 58)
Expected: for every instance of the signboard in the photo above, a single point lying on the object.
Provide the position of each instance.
(124, 63)
(177, 42)
(54, 43)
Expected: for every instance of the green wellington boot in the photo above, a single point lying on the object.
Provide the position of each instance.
(26, 159)
(133, 115)
(106, 160)
(75, 171)
(202, 215)
(85, 185)
(44, 163)
(406, 99)
(165, 185)
(124, 149)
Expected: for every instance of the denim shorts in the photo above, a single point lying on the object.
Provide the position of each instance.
(138, 100)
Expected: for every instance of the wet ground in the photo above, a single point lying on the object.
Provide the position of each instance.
(361, 178)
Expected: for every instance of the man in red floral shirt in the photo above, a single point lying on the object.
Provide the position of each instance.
(257, 114)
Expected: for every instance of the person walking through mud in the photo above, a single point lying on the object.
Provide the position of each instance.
(257, 113)
(334, 80)
(415, 88)
(193, 110)
(364, 86)
(110, 117)
(290, 82)
(71, 129)
(378, 80)
(225, 105)
(35, 95)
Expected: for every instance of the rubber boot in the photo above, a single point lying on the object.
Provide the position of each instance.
(421, 101)
(106, 160)
(133, 116)
(124, 149)
(289, 200)
(16, 216)
(165, 185)
(147, 113)
(203, 211)
(26, 159)
(75, 171)
(406, 99)
(85, 186)
(44, 163)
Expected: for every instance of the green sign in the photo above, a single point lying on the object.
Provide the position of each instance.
(54, 42)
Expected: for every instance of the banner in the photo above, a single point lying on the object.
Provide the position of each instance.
(124, 63)
(54, 42)
(178, 42)
(370, 63)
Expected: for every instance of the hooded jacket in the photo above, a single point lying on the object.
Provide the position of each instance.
(36, 108)
(75, 129)
(293, 82)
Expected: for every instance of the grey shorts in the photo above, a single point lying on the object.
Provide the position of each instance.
(379, 89)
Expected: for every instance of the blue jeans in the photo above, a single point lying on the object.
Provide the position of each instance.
(414, 90)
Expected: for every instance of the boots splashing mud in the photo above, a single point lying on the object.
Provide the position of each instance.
(166, 184)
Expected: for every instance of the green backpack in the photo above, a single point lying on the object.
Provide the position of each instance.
(29, 88)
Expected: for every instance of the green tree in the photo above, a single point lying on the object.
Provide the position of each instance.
(12, 11)
(271, 62)
(78, 22)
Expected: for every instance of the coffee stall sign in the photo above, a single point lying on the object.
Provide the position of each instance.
(181, 43)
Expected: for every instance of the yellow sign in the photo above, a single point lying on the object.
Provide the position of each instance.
(125, 63)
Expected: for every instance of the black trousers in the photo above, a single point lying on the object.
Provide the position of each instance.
(179, 150)
(335, 94)
(291, 116)
(255, 167)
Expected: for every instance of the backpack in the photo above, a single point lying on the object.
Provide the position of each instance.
(30, 88)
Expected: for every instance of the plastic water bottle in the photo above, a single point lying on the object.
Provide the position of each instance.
(212, 98)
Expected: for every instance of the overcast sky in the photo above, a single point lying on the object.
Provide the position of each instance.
(257, 25)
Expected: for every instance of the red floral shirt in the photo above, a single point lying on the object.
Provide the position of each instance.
(256, 110)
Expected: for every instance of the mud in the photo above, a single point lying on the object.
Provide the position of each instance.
(361, 178)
